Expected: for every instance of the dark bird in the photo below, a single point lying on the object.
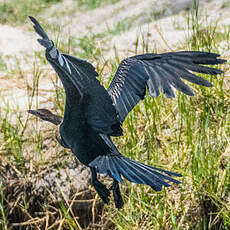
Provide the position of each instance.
(93, 114)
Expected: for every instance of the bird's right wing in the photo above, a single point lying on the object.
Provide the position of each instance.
(79, 80)
(158, 72)
(75, 74)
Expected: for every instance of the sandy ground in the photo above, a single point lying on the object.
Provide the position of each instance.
(18, 44)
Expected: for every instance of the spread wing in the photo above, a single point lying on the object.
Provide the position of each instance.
(74, 73)
(159, 72)
(81, 86)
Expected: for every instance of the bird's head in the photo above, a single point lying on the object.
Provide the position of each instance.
(46, 115)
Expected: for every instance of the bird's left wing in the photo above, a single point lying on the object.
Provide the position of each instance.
(158, 72)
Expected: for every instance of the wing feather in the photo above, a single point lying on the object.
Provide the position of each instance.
(159, 72)
(83, 90)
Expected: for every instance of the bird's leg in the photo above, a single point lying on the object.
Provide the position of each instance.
(117, 194)
(101, 189)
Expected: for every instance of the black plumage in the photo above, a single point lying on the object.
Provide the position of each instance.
(92, 114)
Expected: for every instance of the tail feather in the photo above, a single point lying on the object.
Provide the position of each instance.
(143, 176)
(118, 165)
(131, 176)
(157, 175)
(113, 170)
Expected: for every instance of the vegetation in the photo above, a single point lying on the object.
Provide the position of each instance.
(3, 65)
(92, 4)
(189, 135)
(16, 11)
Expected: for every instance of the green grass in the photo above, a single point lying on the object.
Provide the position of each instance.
(121, 26)
(3, 65)
(188, 135)
(92, 4)
(16, 11)
(199, 131)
